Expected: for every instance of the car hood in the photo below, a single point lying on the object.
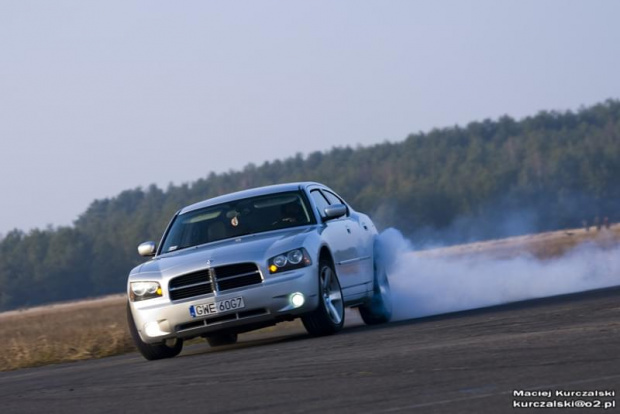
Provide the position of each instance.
(248, 248)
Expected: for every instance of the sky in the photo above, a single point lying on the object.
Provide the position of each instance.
(100, 97)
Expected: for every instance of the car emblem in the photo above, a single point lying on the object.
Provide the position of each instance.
(209, 262)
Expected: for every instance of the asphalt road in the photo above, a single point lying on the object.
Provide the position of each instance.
(469, 362)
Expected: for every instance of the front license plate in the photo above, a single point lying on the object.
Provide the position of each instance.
(219, 306)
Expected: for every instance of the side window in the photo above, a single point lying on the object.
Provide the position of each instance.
(319, 200)
(332, 198)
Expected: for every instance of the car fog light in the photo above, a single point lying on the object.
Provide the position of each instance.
(297, 299)
(152, 329)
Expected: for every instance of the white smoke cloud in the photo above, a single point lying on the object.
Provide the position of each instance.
(423, 285)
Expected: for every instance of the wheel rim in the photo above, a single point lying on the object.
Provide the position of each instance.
(332, 297)
(384, 289)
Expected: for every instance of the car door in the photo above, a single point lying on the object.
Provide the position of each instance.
(361, 237)
(338, 235)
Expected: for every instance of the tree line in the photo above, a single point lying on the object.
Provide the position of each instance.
(488, 179)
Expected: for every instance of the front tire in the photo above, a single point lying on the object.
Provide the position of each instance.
(379, 309)
(156, 351)
(328, 318)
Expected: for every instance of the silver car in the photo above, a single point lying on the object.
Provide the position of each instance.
(254, 258)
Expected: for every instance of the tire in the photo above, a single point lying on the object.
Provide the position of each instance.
(328, 317)
(221, 339)
(155, 351)
(378, 309)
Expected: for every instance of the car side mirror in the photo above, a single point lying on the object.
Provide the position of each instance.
(335, 211)
(147, 249)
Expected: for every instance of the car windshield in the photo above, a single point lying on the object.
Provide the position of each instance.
(237, 218)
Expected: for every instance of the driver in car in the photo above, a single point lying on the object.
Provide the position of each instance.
(293, 213)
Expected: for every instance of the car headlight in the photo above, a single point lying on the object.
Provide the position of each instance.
(290, 260)
(144, 290)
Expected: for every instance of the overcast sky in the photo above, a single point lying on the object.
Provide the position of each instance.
(99, 97)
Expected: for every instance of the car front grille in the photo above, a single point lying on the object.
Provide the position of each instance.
(237, 275)
(223, 277)
(191, 284)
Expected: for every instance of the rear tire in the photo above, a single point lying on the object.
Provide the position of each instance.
(222, 339)
(328, 318)
(379, 309)
(155, 351)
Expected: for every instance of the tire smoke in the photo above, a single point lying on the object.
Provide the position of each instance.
(424, 286)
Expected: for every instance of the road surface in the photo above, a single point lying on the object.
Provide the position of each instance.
(467, 362)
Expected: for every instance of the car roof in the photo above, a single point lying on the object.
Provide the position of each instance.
(253, 192)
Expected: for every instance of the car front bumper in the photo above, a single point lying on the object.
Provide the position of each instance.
(269, 302)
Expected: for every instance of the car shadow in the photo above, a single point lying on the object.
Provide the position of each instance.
(294, 331)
